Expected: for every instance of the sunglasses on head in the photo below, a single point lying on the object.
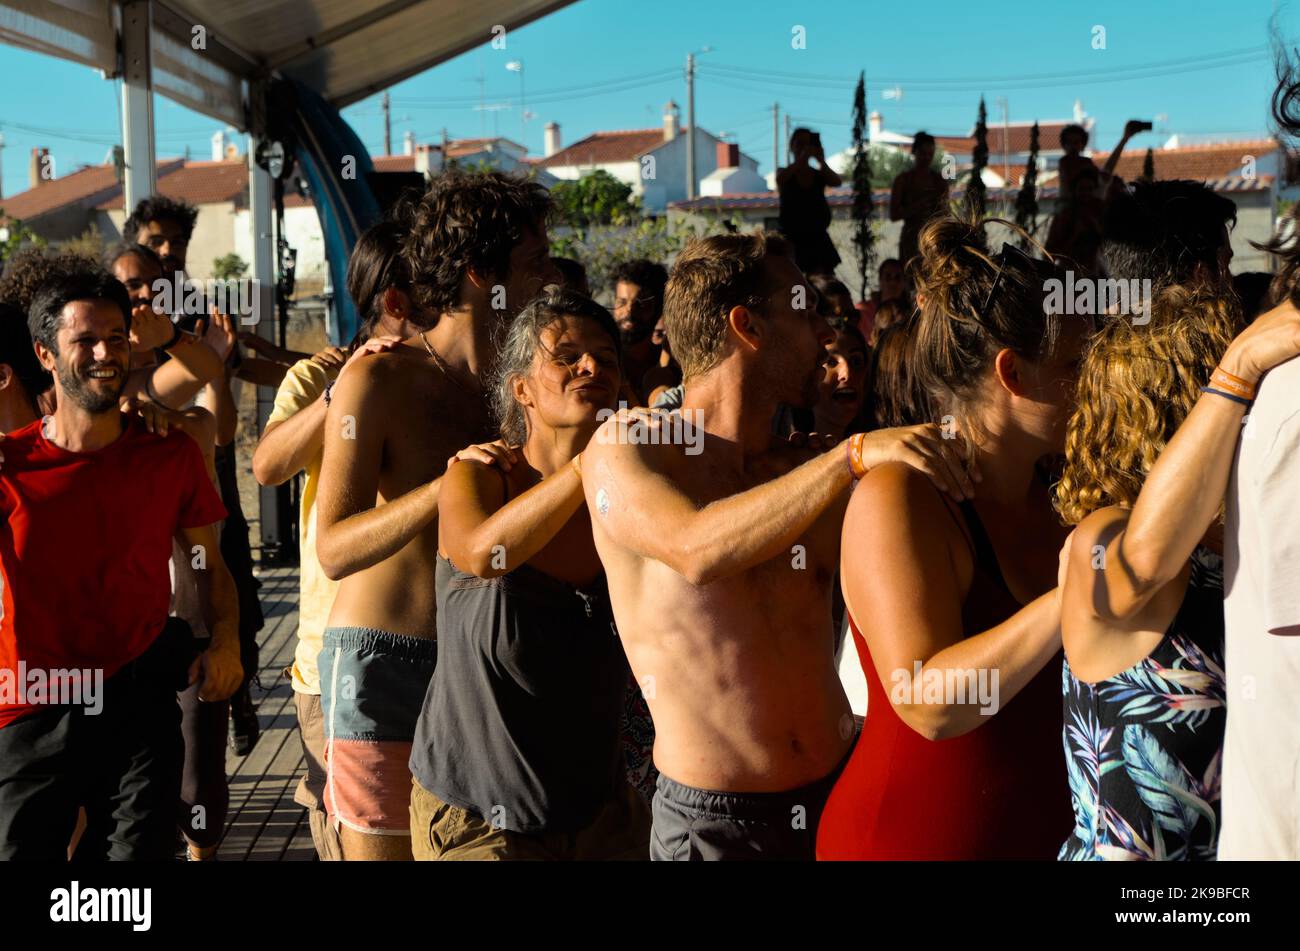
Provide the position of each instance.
(1012, 256)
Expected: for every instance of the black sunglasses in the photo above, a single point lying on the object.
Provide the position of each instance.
(1014, 257)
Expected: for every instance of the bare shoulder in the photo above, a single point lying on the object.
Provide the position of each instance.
(630, 439)
(896, 494)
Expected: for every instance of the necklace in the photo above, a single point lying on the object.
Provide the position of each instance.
(442, 365)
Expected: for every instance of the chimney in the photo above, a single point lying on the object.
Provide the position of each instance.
(37, 170)
(219, 145)
(408, 143)
(1079, 114)
(552, 139)
(728, 155)
(671, 128)
(873, 126)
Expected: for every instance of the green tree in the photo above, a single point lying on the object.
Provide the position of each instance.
(975, 191)
(602, 248)
(1027, 200)
(14, 236)
(229, 267)
(864, 239)
(597, 198)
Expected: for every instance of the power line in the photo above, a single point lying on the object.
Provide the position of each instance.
(657, 75)
(1199, 61)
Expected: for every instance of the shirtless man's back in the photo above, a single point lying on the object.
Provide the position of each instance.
(720, 557)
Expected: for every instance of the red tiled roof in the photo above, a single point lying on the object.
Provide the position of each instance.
(393, 163)
(459, 147)
(1200, 163)
(86, 187)
(1017, 138)
(601, 148)
(199, 183)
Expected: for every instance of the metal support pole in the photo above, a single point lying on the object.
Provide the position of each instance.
(270, 498)
(137, 103)
(691, 180)
(776, 136)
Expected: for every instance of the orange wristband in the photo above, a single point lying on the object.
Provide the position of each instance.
(853, 454)
(1223, 380)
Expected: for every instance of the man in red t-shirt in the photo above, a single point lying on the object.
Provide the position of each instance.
(90, 501)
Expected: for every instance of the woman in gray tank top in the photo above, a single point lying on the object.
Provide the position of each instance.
(516, 752)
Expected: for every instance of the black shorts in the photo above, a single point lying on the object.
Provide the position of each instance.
(702, 825)
(122, 764)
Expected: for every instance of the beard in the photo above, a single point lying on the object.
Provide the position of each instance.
(86, 394)
(634, 334)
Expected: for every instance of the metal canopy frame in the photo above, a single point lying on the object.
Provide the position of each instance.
(187, 51)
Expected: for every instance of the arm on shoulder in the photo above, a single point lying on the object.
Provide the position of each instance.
(632, 495)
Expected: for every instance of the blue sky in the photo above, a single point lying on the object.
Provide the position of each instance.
(1201, 65)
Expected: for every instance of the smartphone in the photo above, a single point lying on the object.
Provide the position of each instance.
(1144, 127)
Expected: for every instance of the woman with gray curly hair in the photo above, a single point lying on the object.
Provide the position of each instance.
(516, 751)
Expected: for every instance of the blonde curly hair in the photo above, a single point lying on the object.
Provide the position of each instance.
(1136, 385)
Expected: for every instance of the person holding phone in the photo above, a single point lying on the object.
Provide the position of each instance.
(805, 213)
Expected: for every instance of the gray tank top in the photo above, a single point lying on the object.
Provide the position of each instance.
(520, 724)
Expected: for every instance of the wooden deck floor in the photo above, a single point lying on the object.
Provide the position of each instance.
(264, 823)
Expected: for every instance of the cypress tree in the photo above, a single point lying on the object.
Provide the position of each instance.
(1027, 200)
(975, 190)
(863, 235)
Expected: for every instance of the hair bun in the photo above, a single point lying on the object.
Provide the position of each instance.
(949, 247)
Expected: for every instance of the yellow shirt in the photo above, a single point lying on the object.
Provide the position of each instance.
(302, 386)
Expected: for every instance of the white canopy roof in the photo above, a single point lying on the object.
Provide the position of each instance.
(205, 50)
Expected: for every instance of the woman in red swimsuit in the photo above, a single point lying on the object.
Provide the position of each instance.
(953, 607)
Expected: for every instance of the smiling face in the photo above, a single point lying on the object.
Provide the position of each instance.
(844, 382)
(93, 356)
(574, 375)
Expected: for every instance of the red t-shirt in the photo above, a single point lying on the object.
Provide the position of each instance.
(85, 541)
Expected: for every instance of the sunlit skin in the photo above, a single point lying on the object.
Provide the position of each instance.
(391, 426)
(843, 385)
(138, 275)
(94, 355)
(905, 539)
(573, 377)
(575, 374)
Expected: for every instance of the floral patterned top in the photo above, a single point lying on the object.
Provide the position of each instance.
(1143, 749)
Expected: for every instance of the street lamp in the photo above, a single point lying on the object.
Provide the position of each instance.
(517, 66)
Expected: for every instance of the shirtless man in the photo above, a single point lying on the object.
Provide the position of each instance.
(720, 559)
(476, 252)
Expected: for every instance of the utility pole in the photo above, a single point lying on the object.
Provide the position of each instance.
(1006, 145)
(2, 164)
(787, 136)
(776, 136)
(690, 122)
(445, 162)
(388, 125)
